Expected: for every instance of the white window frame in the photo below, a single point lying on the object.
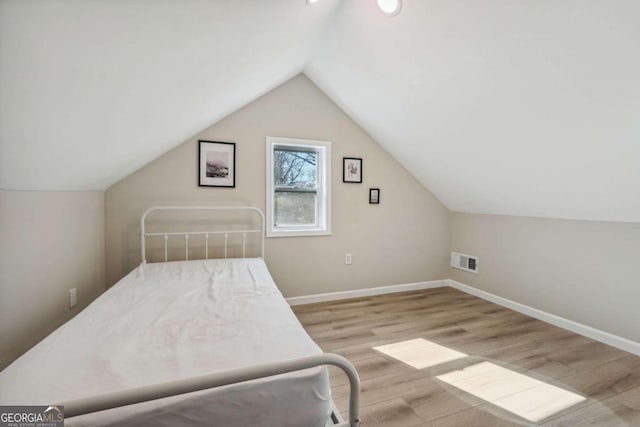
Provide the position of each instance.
(323, 215)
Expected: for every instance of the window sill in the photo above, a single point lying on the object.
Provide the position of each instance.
(297, 233)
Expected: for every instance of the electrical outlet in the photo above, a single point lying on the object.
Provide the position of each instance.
(73, 300)
(347, 259)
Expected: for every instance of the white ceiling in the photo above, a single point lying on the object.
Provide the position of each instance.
(91, 90)
(523, 107)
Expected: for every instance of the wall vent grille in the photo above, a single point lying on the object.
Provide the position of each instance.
(464, 262)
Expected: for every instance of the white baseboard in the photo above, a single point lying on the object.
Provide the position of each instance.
(358, 293)
(579, 328)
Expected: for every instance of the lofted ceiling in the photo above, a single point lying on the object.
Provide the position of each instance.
(508, 107)
(92, 90)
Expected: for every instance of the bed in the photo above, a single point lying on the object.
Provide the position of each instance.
(191, 342)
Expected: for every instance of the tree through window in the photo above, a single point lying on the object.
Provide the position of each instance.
(299, 198)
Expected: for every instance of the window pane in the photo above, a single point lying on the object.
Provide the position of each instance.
(298, 187)
(295, 168)
(295, 208)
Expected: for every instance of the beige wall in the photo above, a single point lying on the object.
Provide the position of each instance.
(50, 242)
(404, 239)
(580, 270)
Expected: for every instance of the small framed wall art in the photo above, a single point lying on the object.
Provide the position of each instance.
(374, 196)
(217, 164)
(352, 170)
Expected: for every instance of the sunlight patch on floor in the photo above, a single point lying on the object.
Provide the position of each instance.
(519, 394)
(420, 353)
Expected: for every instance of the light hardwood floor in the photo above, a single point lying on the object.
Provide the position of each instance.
(395, 394)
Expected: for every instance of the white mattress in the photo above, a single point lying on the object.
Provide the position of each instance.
(177, 320)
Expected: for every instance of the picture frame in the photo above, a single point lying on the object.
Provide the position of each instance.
(352, 170)
(216, 164)
(374, 196)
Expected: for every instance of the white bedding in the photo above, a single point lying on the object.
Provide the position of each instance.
(177, 320)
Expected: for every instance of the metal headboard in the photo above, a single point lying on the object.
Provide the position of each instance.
(186, 234)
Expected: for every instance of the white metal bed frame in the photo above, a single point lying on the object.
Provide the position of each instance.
(158, 391)
(206, 234)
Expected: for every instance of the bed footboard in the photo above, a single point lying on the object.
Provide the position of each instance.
(158, 391)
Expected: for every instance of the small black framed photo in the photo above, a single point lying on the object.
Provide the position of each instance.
(374, 196)
(217, 164)
(352, 170)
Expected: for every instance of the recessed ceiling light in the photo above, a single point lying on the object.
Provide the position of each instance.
(390, 7)
(312, 1)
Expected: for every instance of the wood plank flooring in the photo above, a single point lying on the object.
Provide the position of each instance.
(395, 394)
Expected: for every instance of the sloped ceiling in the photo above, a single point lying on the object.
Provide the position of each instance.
(522, 107)
(91, 90)
(497, 106)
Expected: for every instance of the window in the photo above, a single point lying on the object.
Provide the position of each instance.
(298, 187)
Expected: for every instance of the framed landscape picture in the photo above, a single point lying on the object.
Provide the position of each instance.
(217, 164)
(352, 169)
